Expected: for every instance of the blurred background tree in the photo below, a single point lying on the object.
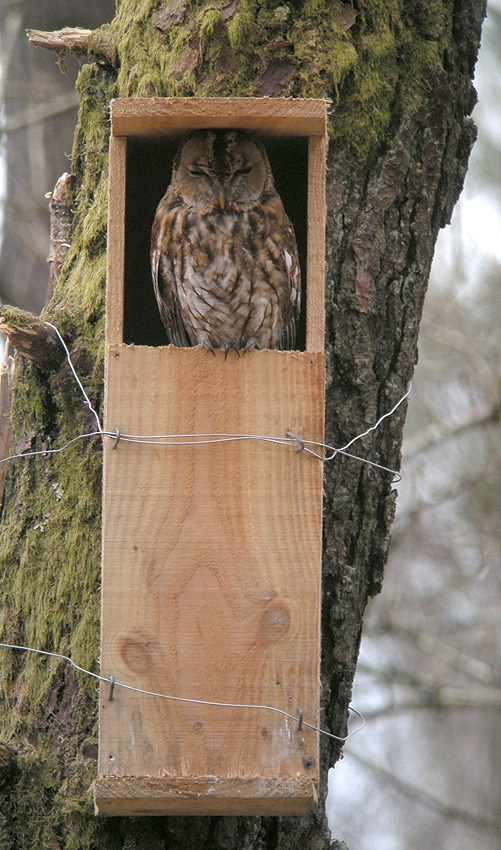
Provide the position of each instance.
(426, 771)
(37, 121)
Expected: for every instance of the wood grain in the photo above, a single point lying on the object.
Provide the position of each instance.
(168, 115)
(208, 795)
(116, 234)
(317, 212)
(211, 571)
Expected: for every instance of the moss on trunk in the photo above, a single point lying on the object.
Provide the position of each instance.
(399, 76)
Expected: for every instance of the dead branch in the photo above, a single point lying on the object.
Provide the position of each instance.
(6, 383)
(31, 337)
(61, 218)
(67, 40)
(95, 44)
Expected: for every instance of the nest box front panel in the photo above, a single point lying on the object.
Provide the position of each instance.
(211, 568)
(211, 552)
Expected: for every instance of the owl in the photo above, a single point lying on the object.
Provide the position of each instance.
(224, 259)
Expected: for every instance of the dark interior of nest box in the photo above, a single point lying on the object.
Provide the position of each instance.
(148, 173)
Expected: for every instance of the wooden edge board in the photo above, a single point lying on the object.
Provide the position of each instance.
(317, 216)
(116, 238)
(141, 116)
(203, 795)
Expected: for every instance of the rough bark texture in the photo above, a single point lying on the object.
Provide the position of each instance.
(399, 75)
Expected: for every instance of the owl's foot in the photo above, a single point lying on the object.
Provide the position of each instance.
(207, 344)
(251, 344)
(230, 346)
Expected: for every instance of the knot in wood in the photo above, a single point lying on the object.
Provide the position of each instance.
(275, 623)
(136, 654)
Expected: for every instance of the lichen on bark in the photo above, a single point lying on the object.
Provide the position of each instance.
(398, 75)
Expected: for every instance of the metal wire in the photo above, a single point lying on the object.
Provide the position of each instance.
(115, 684)
(290, 440)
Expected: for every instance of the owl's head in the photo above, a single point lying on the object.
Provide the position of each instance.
(221, 169)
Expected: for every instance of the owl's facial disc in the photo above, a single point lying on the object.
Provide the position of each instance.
(194, 175)
(223, 169)
(246, 173)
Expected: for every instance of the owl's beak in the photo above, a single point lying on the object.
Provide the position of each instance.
(222, 199)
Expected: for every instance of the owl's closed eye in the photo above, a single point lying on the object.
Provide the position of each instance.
(224, 258)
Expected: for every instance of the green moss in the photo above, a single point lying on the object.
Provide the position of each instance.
(363, 110)
(210, 19)
(49, 548)
(48, 806)
(239, 26)
(16, 317)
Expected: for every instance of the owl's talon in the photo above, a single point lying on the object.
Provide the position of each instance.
(207, 344)
(230, 346)
(251, 344)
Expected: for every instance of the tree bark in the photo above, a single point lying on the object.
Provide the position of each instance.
(400, 137)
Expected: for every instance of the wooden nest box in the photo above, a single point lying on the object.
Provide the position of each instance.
(211, 552)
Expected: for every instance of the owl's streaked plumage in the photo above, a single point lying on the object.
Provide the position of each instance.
(224, 258)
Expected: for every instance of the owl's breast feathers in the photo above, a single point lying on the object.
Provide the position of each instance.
(226, 279)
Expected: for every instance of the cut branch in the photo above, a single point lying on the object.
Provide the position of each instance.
(31, 337)
(6, 383)
(61, 218)
(67, 40)
(94, 44)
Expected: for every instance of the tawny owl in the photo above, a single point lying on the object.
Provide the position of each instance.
(224, 258)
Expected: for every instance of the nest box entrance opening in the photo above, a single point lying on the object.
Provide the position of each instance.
(146, 134)
(148, 169)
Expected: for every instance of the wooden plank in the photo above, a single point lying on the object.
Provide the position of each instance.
(162, 116)
(203, 796)
(317, 212)
(211, 573)
(116, 237)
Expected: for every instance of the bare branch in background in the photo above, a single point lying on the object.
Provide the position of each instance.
(423, 797)
(435, 644)
(438, 698)
(434, 433)
(39, 112)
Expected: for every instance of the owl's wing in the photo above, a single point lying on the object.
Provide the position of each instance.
(163, 277)
(291, 311)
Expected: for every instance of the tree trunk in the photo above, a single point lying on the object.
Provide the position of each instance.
(399, 76)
